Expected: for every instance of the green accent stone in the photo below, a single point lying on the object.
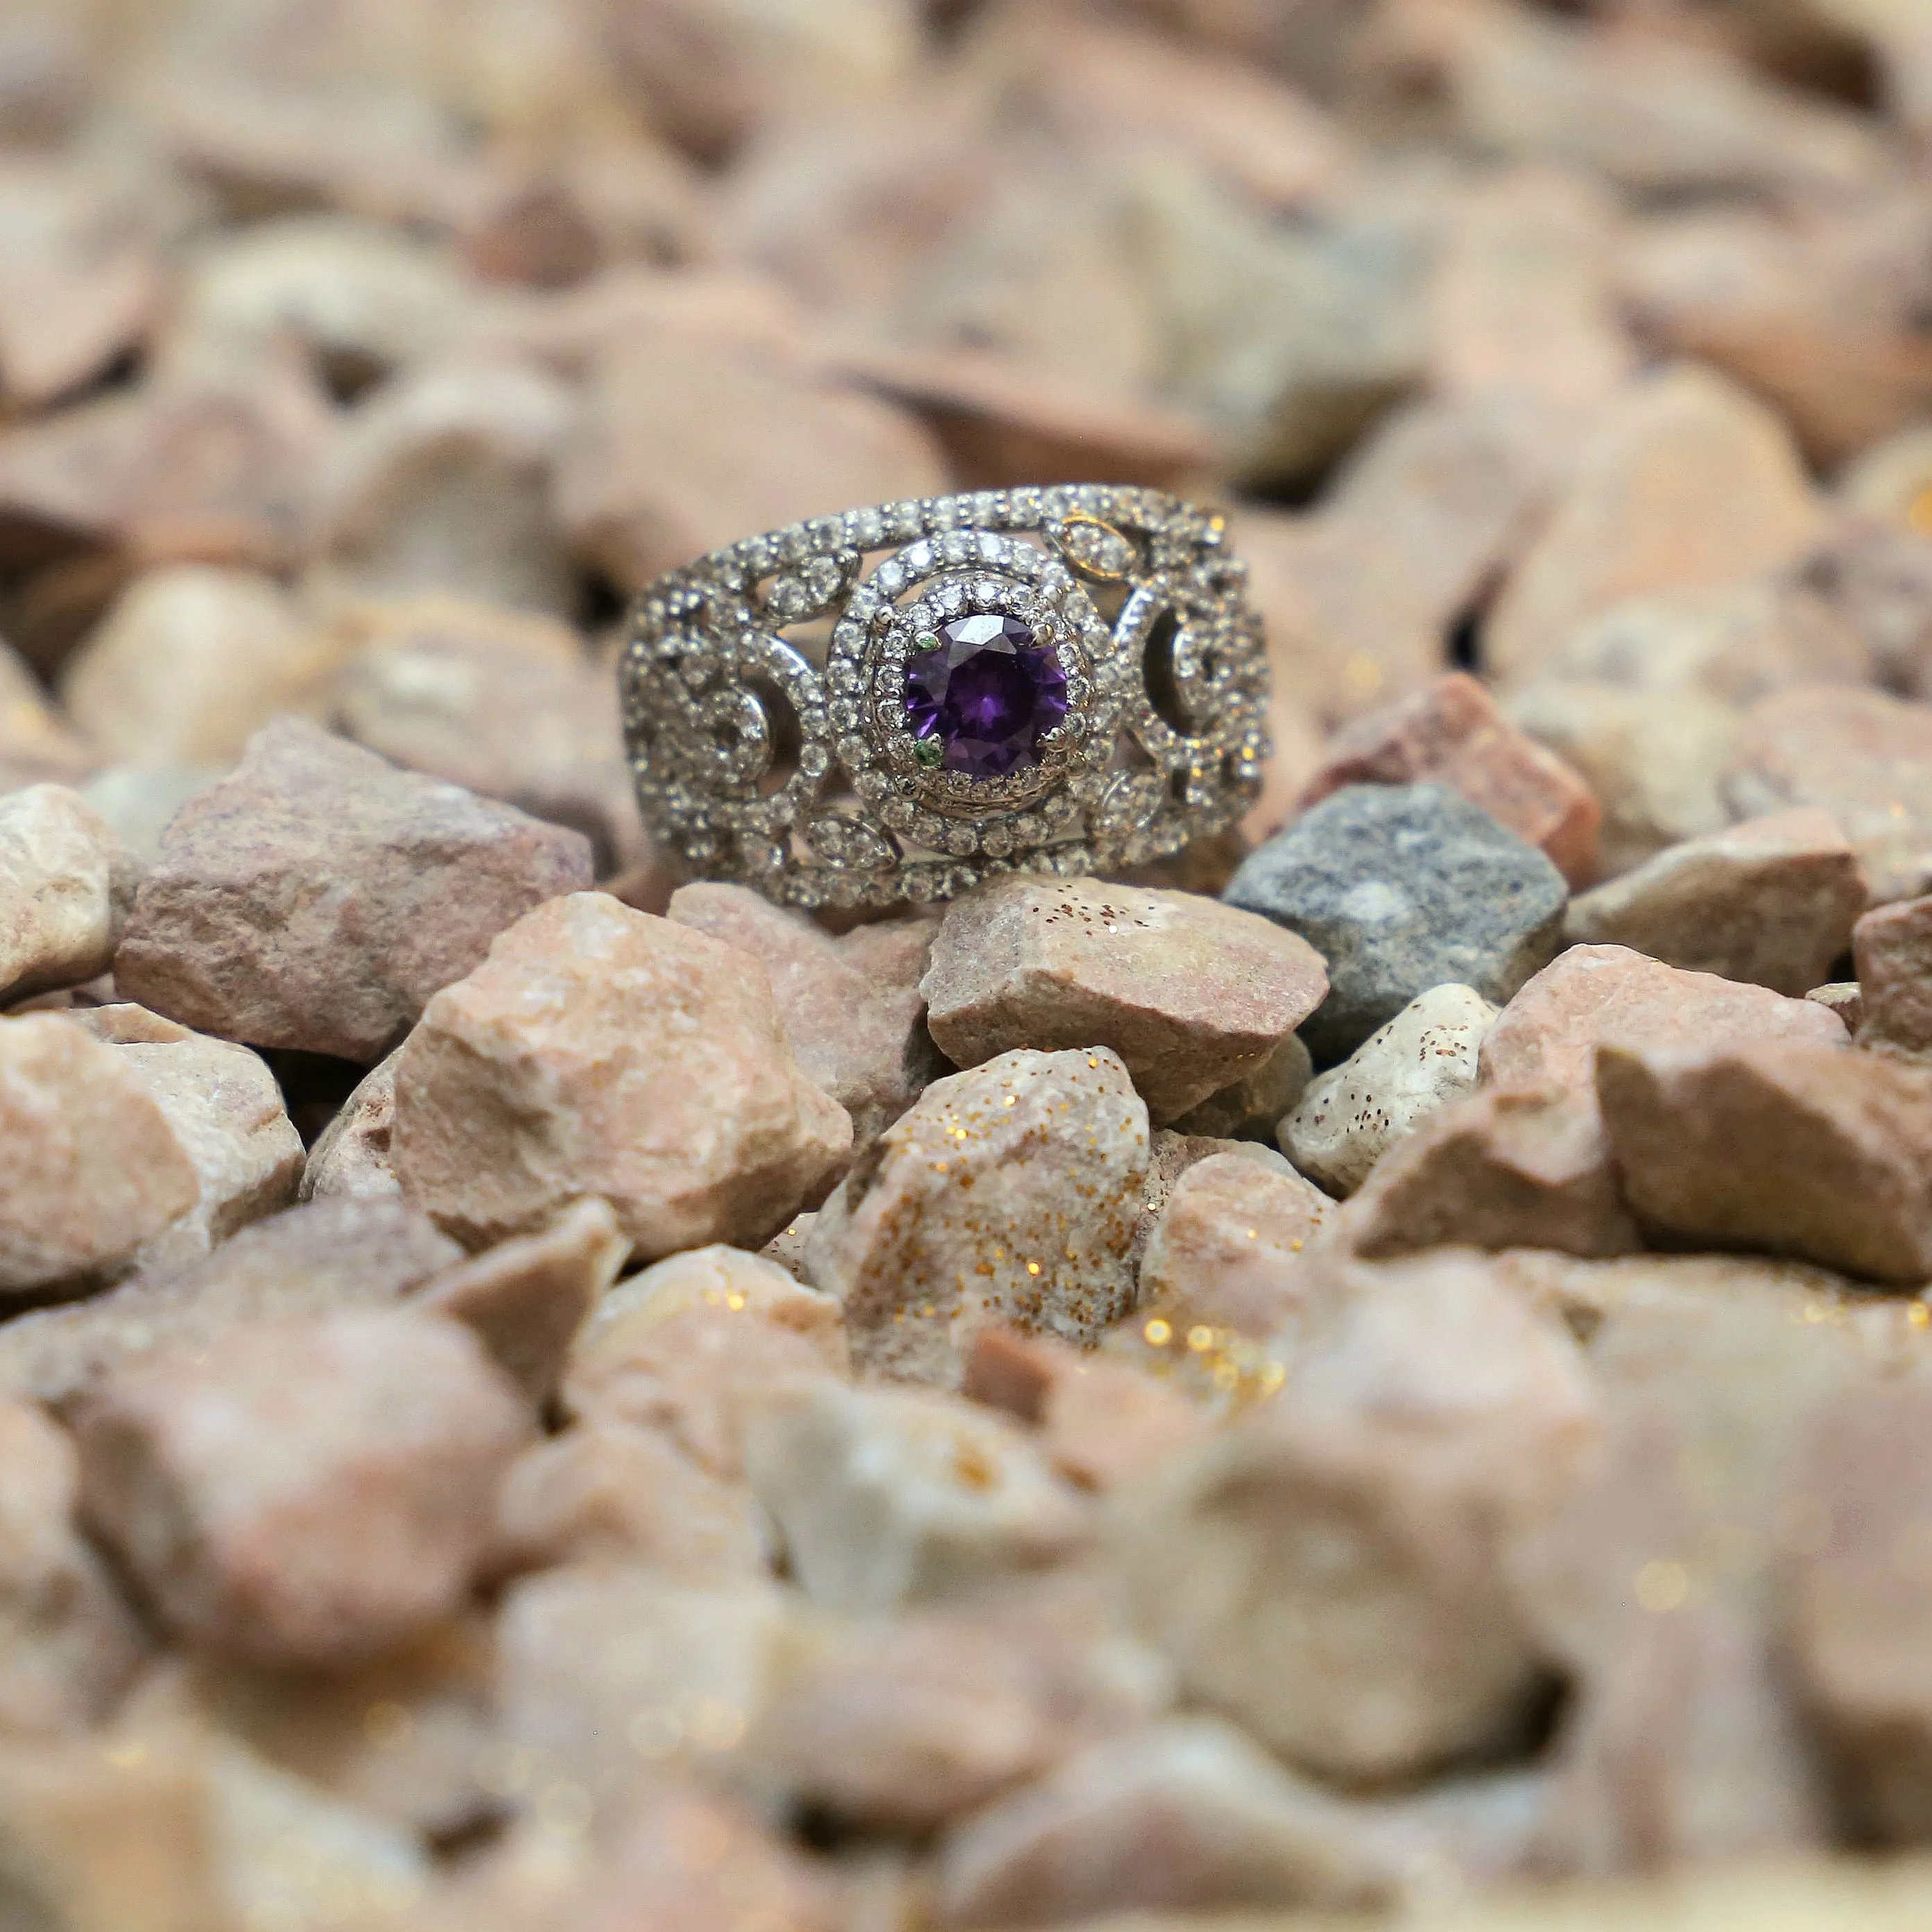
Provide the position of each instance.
(928, 751)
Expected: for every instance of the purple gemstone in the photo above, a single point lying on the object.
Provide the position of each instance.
(986, 695)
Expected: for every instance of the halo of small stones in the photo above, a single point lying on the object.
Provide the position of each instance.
(707, 679)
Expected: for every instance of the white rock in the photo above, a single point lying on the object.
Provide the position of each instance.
(1423, 1057)
(884, 1496)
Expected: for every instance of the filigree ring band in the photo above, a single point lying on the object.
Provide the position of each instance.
(895, 704)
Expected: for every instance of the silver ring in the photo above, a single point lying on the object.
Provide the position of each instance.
(896, 704)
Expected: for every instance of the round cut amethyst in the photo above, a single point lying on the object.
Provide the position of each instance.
(984, 696)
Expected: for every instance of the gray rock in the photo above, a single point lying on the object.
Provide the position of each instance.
(1401, 888)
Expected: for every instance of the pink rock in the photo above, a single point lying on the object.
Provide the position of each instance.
(1451, 732)
(66, 883)
(908, 1723)
(1865, 758)
(192, 661)
(1892, 951)
(1103, 1421)
(229, 936)
(351, 1156)
(852, 1007)
(1633, 517)
(69, 1646)
(1857, 1580)
(1814, 1151)
(1009, 1194)
(302, 1491)
(1191, 994)
(691, 1346)
(504, 703)
(1521, 299)
(526, 1299)
(884, 1496)
(1226, 1250)
(611, 1491)
(333, 1254)
(601, 1051)
(97, 1169)
(1332, 1567)
(685, 446)
(1772, 901)
(1504, 1168)
(1549, 1034)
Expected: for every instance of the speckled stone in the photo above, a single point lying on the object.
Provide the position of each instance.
(1424, 1057)
(1400, 888)
(1008, 1194)
(1192, 995)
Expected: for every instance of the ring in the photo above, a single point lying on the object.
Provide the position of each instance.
(896, 704)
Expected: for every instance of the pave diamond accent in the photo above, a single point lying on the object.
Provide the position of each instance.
(985, 691)
(868, 761)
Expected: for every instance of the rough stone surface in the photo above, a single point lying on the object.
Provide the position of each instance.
(67, 884)
(1192, 995)
(1507, 1168)
(852, 1007)
(1226, 1248)
(885, 1496)
(1862, 756)
(1635, 515)
(69, 1646)
(1331, 1569)
(1892, 954)
(228, 1116)
(1548, 1036)
(526, 1299)
(1839, 1167)
(1451, 733)
(1422, 1059)
(302, 1491)
(1401, 888)
(230, 936)
(601, 1051)
(308, 1261)
(1010, 1193)
(97, 1170)
(1772, 901)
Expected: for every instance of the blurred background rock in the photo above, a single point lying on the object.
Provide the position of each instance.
(359, 357)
